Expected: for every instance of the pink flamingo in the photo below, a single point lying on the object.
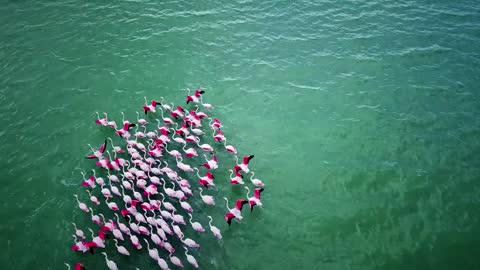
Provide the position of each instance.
(235, 212)
(195, 97)
(219, 136)
(101, 121)
(244, 165)
(178, 112)
(238, 179)
(151, 107)
(255, 200)
(210, 164)
(97, 153)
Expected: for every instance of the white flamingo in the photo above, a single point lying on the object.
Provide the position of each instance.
(152, 252)
(175, 260)
(207, 198)
(196, 225)
(141, 121)
(190, 243)
(81, 205)
(255, 181)
(191, 259)
(214, 229)
(111, 264)
(93, 198)
(121, 249)
(78, 232)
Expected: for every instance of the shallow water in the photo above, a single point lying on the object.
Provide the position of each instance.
(363, 117)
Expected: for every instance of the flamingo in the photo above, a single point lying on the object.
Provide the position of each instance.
(78, 232)
(197, 131)
(206, 180)
(178, 139)
(200, 115)
(111, 124)
(255, 200)
(152, 252)
(164, 226)
(112, 177)
(213, 229)
(205, 147)
(121, 249)
(90, 182)
(219, 136)
(196, 225)
(108, 226)
(139, 134)
(186, 206)
(141, 121)
(116, 149)
(174, 153)
(190, 243)
(98, 180)
(183, 131)
(151, 107)
(244, 165)
(165, 106)
(175, 260)
(155, 238)
(167, 120)
(177, 113)
(106, 192)
(230, 148)
(122, 226)
(135, 242)
(111, 264)
(81, 205)
(195, 97)
(178, 218)
(113, 206)
(256, 182)
(99, 241)
(216, 123)
(101, 121)
(177, 230)
(238, 179)
(163, 264)
(206, 105)
(191, 138)
(124, 130)
(184, 167)
(167, 205)
(95, 218)
(169, 191)
(93, 198)
(191, 259)
(115, 189)
(97, 153)
(210, 164)
(207, 198)
(235, 212)
(79, 246)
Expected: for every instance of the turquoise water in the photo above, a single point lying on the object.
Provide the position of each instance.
(363, 117)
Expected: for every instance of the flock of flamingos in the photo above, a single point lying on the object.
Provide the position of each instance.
(151, 195)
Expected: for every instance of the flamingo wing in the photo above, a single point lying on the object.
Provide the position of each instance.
(228, 217)
(239, 204)
(103, 147)
(92, 156)
(247, 159)
(257, 192)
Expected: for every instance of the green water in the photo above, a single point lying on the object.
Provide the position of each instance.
(364, 118)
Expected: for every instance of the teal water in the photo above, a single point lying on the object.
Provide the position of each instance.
(363, 117)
